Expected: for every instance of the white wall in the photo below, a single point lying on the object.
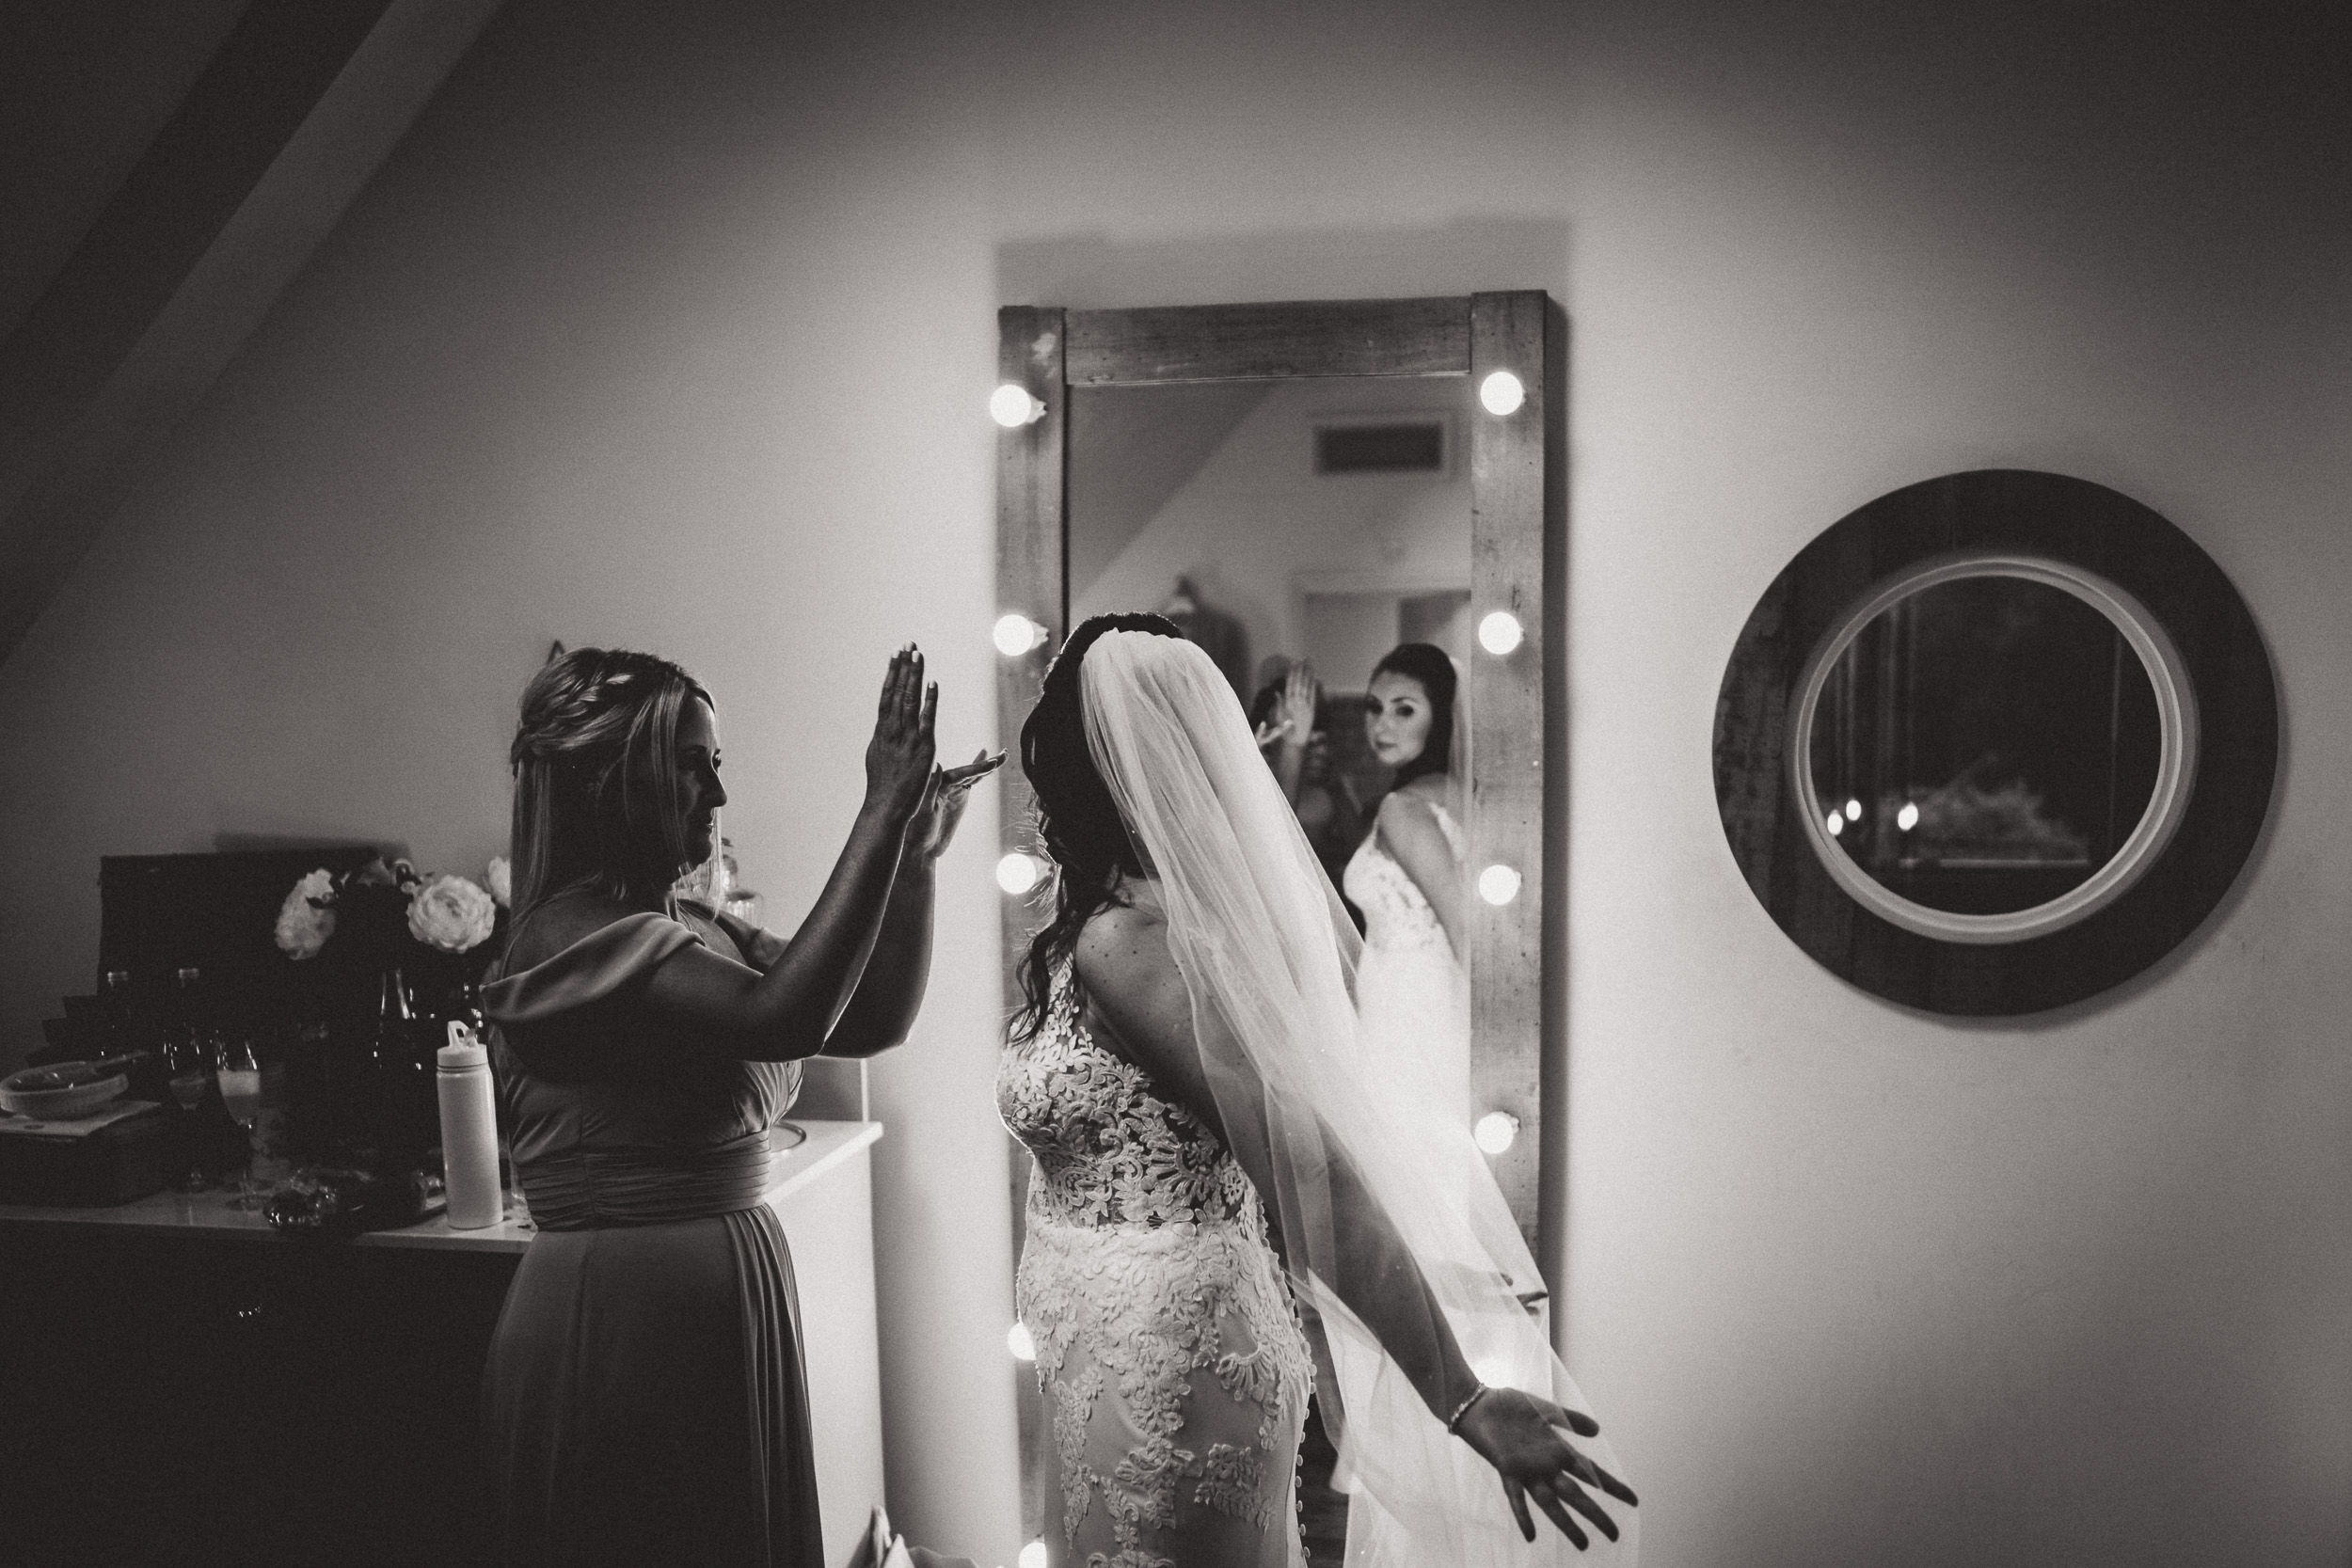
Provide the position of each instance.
(1256, 515)
(671, 326)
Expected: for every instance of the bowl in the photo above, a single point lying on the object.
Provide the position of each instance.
(57, 1103)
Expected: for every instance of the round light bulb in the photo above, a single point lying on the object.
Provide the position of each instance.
(1853, 811)
(1835, 823)
(1908, 818)
(1501, 632)
(1016, 634)
(1502, 393)
(1018, 1341)
(1495, 1131)
(1016, 873)
(1033, 1555)
(1497, 885)
(1013, 406)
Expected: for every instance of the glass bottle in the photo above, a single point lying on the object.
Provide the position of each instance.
(190, 1075)
(400, 1073)
(124, 1038)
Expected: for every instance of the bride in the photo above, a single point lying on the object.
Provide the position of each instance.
(1208, 1140)
(1412, 995)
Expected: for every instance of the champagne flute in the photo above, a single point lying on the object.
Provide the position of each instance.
(241, 1093)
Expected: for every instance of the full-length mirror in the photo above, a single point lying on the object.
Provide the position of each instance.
(1345, 506)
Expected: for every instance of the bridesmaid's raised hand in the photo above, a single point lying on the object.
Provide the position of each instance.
(898, 759)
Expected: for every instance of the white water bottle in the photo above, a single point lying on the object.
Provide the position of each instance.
(470, 1133)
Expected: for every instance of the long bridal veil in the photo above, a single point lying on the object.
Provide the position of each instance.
(1268, 955)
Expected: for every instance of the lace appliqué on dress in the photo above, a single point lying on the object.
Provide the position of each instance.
(1147, 1264)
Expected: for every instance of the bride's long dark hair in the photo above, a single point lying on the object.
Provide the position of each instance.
(1077, 821)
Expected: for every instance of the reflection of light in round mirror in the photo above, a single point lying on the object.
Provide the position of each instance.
(1495, 1131)
(1012, 407)
(1497, 885)
(1018, 1341)
(1500, 633)
(1502, 392)
(1016, 635)
(2013, 722)
(1016, 873)
(1033, 1555)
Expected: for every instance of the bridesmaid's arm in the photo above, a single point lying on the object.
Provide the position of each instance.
(785, 1013)
(890, 992)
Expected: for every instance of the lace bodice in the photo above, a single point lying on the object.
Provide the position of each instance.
(1146, 1281)
(1397, 915)
(1108, 1150)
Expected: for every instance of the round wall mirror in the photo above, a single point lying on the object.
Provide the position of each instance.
(1963, 734)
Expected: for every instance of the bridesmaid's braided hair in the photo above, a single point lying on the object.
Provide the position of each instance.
(1077, 821)
(596, 801)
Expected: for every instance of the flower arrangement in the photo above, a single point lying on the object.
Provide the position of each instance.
(386, 913)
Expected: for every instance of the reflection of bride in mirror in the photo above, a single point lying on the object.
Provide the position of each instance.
(1411, 992)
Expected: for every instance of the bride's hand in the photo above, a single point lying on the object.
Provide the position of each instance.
(1520, 1435)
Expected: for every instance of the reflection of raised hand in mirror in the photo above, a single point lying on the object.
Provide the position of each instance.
(1288, 728)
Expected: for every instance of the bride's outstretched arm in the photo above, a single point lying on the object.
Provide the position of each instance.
(1140, 1000)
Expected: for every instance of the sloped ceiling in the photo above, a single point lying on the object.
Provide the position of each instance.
(166, 167)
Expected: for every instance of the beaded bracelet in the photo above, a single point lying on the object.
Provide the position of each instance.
(1453, 1422)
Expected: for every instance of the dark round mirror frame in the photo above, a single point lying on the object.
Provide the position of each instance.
(2071, 520)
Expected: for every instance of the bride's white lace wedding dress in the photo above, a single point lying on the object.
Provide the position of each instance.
(1169, 1349)
(1412, 996)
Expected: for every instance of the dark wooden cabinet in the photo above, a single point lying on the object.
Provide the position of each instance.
(240, 1401)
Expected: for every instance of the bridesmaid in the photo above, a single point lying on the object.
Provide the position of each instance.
(644, 1401)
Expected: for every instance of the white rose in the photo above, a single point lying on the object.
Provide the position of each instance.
(501, 880)
(303, 927)
(451, 913)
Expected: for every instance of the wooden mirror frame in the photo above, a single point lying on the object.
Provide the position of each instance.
(1517, 490)
(2070, 529)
